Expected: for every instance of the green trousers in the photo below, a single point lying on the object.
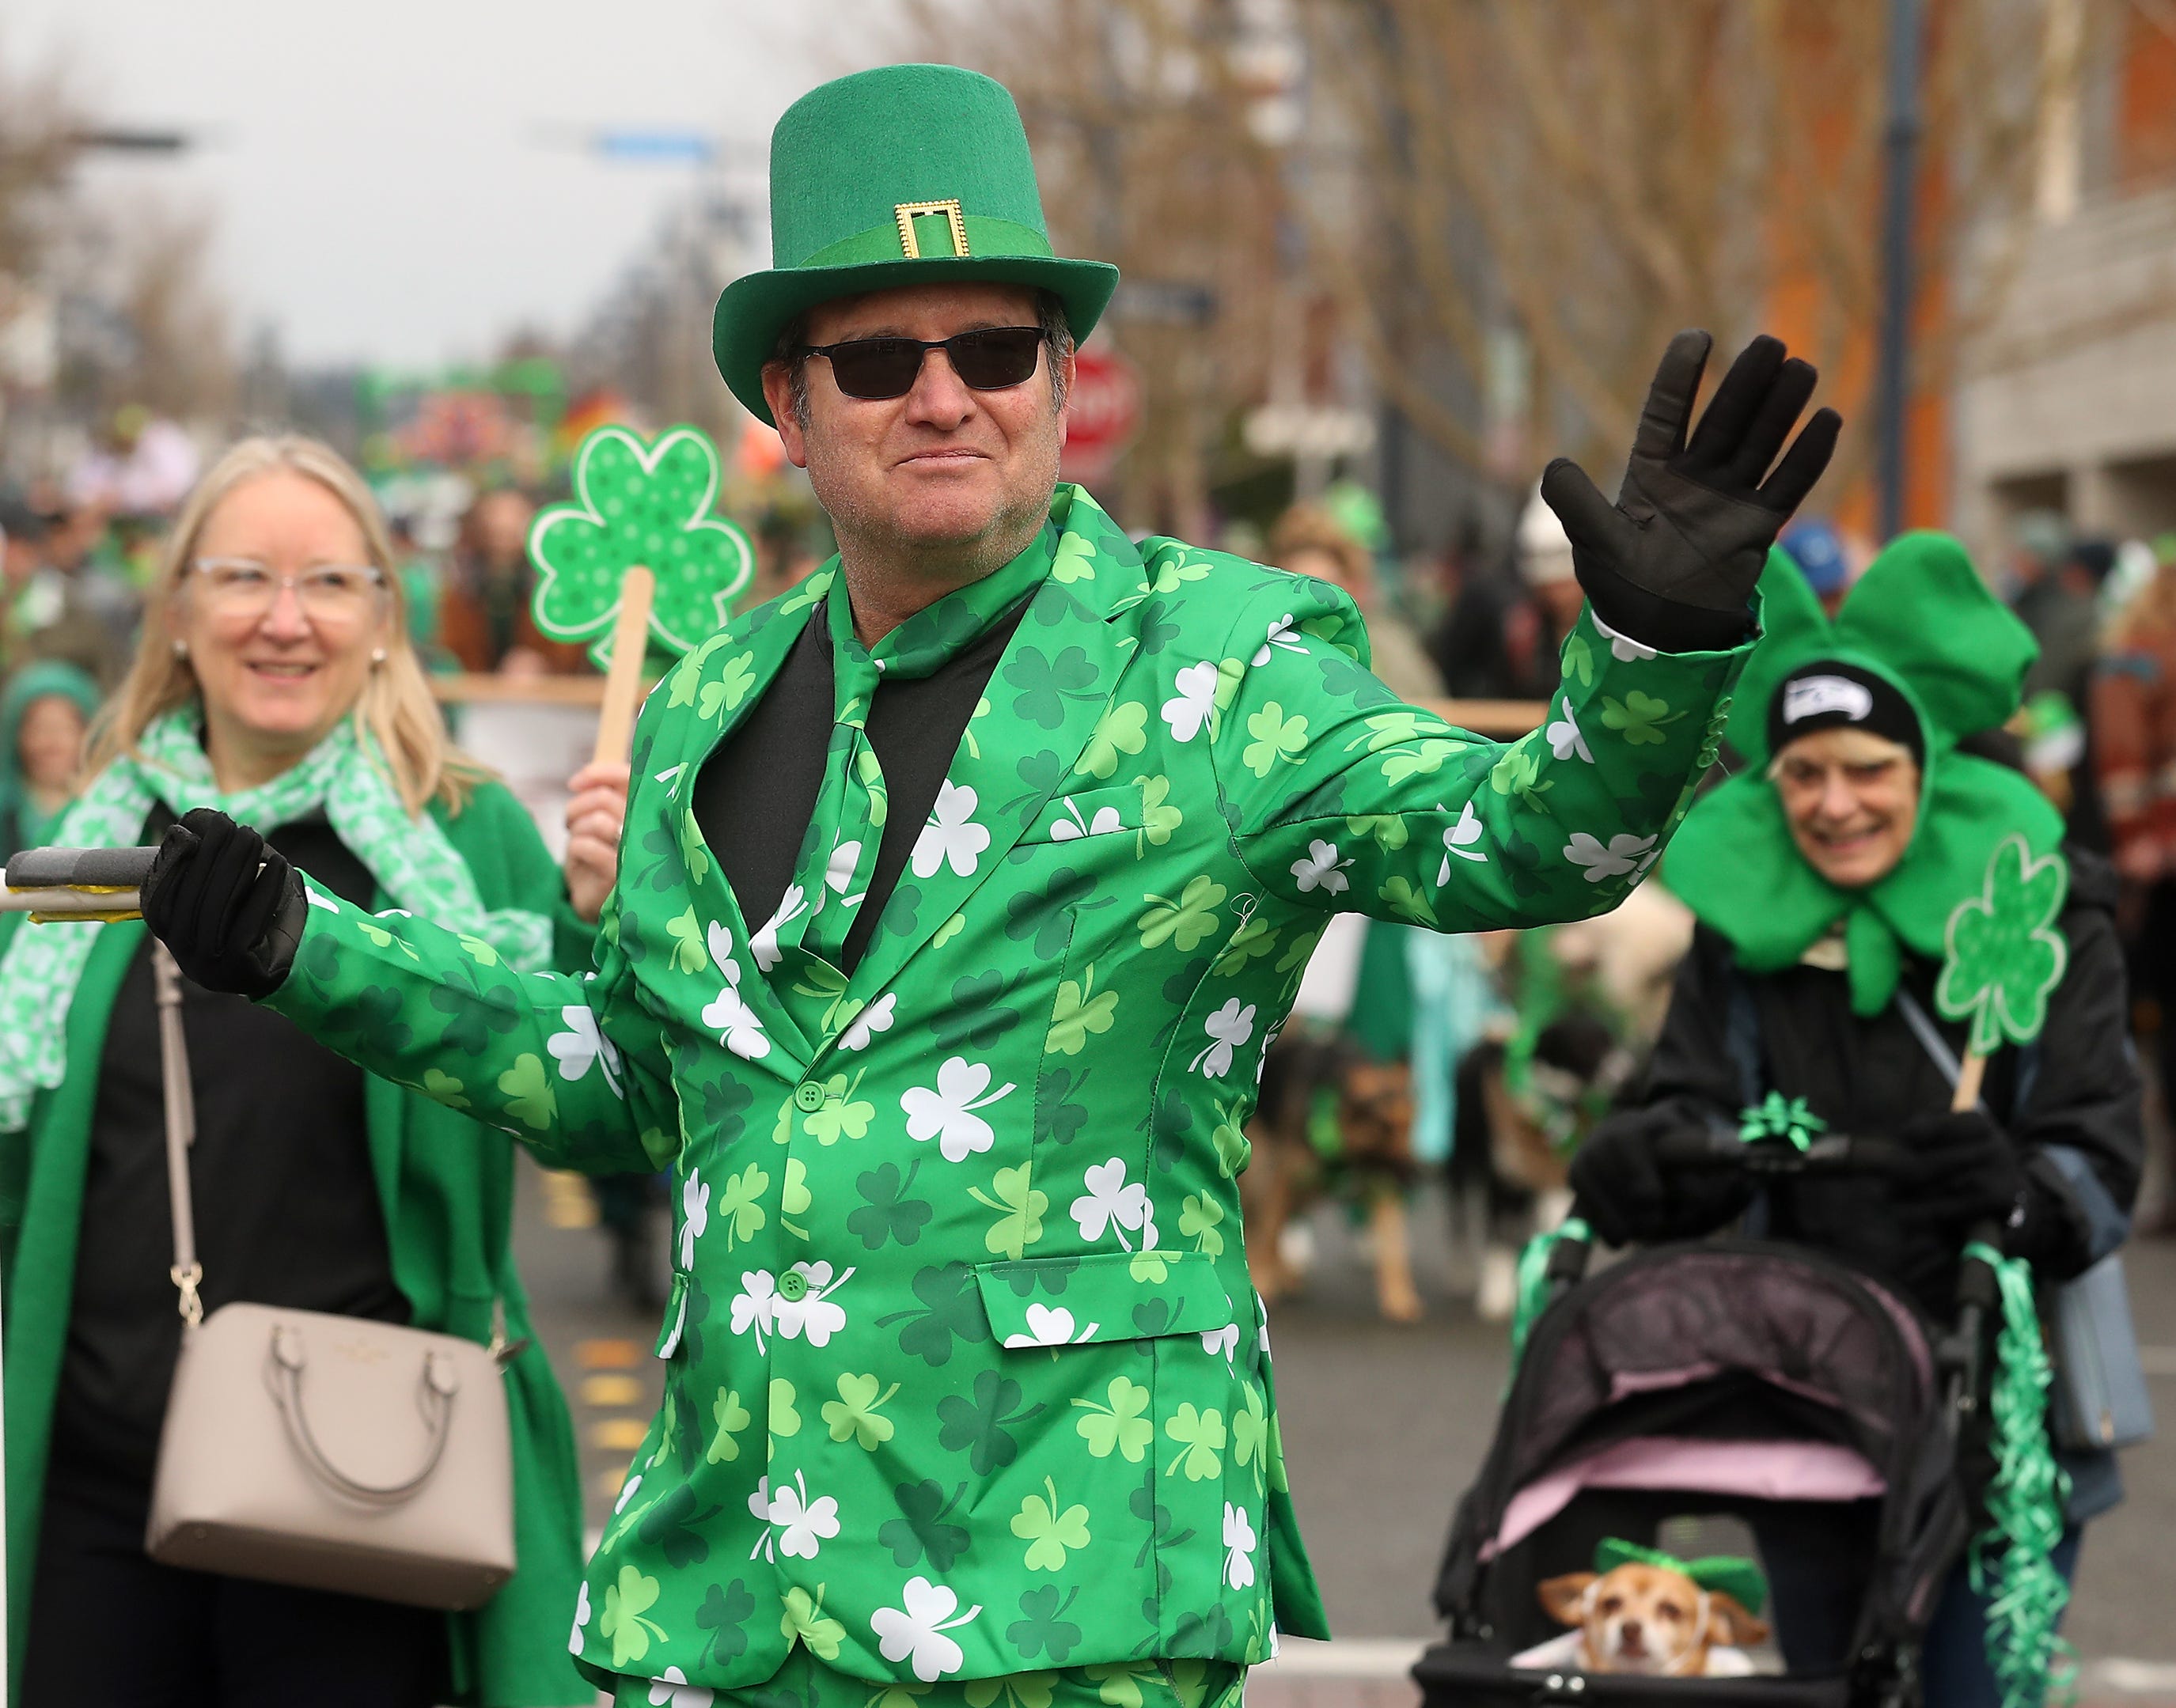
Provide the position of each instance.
(803, 1681)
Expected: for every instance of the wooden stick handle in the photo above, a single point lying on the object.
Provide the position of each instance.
(1968, 1082)
(624, 684)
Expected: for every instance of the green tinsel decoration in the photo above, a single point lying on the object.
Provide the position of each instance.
(1533, 1291)
(2025, 1503)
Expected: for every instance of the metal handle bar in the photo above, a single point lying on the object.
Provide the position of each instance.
(81, 868)
(75, 883)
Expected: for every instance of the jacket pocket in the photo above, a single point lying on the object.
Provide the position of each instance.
(1106, 1296)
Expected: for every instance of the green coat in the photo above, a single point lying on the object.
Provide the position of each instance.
(963, 1376)
(447, 1188)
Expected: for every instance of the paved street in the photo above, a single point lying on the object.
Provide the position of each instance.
(1383, 1427)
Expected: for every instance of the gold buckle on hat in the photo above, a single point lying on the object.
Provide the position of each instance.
(953, 218)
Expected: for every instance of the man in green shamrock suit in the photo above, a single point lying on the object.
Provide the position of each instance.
(962, 890)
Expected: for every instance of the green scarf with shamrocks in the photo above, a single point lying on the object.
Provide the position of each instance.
(344, 777)
(1921, 618)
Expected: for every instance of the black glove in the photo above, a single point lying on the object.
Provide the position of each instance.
(227, 905)
(1958, 1169)
(1620, 1186)
(1672, 563)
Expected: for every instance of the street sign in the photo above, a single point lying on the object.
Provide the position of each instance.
(1308, 430)
(1167, 302)
(1105, 413)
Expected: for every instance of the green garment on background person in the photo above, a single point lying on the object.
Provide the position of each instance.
(1922, 620)
(1381, 1019)
(963, 1376)
(446, 1186)
(22, 824)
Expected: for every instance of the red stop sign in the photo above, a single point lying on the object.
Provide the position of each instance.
(1104, 415)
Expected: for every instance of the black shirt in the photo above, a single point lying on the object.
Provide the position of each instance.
(288, 1209)
(755, 795)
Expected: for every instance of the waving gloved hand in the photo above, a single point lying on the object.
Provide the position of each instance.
(1672, 563)
(1622, 1188)
(1958, 1169)
(227, 905)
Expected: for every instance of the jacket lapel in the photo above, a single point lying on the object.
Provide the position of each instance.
(717, 694)
(1043, 702)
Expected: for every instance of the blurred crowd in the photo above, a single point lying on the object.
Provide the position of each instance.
(1476, 1063)
(1507, 1048)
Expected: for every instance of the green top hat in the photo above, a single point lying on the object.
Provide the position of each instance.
(905, 175)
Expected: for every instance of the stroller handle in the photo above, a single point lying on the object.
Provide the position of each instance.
(1718, 1149)
(1831, 1153)
(1962, 1354)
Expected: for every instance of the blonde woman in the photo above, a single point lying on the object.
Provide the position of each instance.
(276, 678)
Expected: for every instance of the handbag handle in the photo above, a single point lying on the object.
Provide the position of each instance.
(440, 1383)
(187, 1273)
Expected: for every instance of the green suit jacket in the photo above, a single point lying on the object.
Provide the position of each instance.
(446, 1186)
(964, 1374)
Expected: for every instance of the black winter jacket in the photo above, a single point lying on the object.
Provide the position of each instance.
(2070, 1102)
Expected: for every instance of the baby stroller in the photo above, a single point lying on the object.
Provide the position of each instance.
(1732, 1380)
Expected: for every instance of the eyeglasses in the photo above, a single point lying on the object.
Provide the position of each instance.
(989, 359)
(327, 592)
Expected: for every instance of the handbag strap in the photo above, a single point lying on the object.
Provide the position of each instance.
(1930, 1040)
(187, 1273)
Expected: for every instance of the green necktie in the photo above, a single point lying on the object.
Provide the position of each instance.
(838, 855)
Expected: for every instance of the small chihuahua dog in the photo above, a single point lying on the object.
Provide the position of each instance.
(1648, 1619)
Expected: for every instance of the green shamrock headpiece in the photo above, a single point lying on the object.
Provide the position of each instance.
(905, 175)
(1922, 621)
(1731, 1574)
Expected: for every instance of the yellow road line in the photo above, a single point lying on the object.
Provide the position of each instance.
(617, 1434)
(608, 1355)
(608, 1393)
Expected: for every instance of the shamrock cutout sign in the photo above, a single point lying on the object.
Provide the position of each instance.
(2004, 954)
(638, 506)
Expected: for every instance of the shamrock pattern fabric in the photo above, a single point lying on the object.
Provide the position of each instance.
(805, 1682)
(838, 855)
(965, 1377)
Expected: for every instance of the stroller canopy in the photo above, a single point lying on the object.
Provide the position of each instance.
(1733, 1370)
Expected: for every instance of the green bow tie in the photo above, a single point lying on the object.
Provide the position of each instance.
(1728, 1575)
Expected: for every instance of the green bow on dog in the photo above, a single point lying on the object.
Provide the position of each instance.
(1728, 1575)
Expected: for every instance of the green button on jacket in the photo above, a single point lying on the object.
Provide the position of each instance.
(964, 1375)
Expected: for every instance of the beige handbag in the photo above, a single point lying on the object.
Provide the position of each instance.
(329, 1452)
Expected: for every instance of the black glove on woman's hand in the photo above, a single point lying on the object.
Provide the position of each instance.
(1620, 1186)
(227, 905)
(1674, 562)
(1958, 1169)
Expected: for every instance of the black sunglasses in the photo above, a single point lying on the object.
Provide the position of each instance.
(989, 359)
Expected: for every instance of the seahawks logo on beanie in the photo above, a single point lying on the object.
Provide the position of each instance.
(1828, 693)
